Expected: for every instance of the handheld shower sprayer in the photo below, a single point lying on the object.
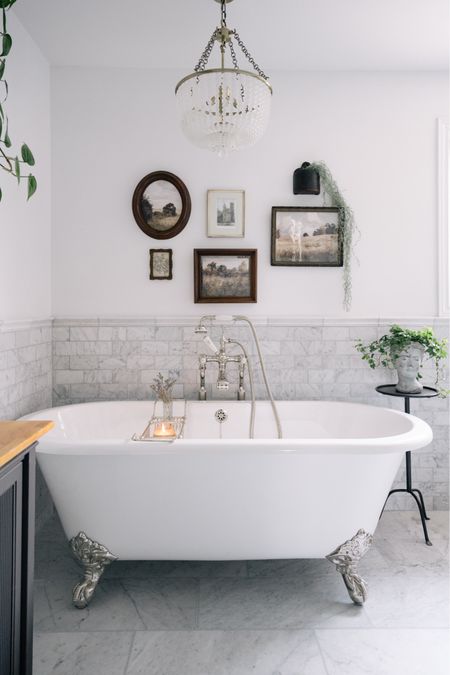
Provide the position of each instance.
(201, 329)
(209, 343)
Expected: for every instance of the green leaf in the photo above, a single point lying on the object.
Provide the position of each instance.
(32, 185)
(2, 68)
(6, 44)
(27, 155)
(7, 140)
(17, 169)
(5, 84)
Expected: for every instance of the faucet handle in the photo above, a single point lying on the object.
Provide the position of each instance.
(223, 384)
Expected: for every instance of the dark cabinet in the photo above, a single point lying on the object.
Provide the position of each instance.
(17, 484)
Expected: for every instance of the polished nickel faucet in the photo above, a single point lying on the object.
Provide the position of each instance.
(222, 359)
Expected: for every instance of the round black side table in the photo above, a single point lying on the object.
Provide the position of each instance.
(427, 392)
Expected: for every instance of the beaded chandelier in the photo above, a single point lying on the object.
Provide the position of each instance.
(224, 109)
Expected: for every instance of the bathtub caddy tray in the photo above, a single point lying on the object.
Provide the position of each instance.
(148, 435)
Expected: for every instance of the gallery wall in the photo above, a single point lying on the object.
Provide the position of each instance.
(376, 132)
(25, 228)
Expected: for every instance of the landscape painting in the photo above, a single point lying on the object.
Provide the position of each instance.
(306, 236)
(161, 205)
(225, 275)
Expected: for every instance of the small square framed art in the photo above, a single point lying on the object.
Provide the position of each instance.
(161, 263)
(226, 213)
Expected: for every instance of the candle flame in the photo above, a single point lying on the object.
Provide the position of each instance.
(164, 429)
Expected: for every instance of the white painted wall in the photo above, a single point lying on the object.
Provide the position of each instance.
(25, 227)
(376, 131)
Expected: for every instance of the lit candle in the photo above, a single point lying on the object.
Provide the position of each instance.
(164, 430)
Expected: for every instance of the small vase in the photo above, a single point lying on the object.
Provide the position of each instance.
(167, 410)
(165, 429)
(407, 364)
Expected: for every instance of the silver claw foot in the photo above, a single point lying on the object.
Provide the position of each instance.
(346, 557)
(93, 557)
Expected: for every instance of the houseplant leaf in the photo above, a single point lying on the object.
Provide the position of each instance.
(6, 44)
(27, 155)
(32, 185)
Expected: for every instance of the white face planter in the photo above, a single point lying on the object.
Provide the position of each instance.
(407, 364)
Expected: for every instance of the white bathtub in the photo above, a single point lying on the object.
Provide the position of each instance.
(209, 498)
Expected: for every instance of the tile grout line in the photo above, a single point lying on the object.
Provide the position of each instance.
(133, 602)
(322, 655)
(127, 663)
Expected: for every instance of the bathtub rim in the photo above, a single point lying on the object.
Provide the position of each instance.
(417, 438)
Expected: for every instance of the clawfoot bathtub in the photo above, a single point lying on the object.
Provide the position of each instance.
(215, 494)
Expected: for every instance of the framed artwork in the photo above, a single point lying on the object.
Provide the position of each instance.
(161, 205)
(225, 275)
(161, 263)
(226, 213)
(306, 236)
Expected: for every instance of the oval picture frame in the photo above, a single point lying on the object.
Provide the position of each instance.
(161, 205)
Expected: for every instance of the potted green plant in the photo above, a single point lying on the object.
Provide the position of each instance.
(404, 350)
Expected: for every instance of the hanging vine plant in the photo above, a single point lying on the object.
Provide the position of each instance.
(347, 223)
(10, 161)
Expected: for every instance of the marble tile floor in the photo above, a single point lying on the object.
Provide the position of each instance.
(289, 617)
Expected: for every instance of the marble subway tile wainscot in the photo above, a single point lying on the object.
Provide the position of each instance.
(26, 383)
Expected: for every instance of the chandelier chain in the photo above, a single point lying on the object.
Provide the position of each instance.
(203, 60)
(223, 11)
(233, 55)
(249, 57)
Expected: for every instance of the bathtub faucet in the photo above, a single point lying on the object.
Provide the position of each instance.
(222, 359)
(201, 329)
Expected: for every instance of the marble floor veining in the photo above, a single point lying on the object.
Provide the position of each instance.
(282, 617)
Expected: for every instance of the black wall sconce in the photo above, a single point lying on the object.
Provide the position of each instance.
(306, 180)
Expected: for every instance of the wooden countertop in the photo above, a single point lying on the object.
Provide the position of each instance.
(17, 436)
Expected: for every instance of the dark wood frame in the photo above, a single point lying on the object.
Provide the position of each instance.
(316, 209)
(185, 204)
(161, 250)
(252, 254)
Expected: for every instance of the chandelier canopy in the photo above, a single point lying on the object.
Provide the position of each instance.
(224, 109)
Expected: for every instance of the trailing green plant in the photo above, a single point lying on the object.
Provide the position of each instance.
(347, 223)
(10, 161)
(385, 350)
